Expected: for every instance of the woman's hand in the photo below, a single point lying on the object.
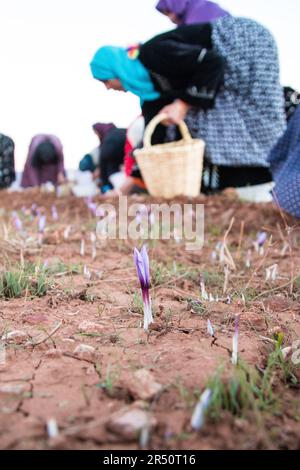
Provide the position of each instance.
(61, 179)
(124, 190)
(175, 112)
(112, 194)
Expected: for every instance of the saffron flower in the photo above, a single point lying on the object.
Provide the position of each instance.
(54, 213)
(272, 273)
(86, 273)
(67, 232)
(92, 206)
(261, 238)
(82, 247)
(248, 259)
(210, 329)
(17, 222)
(94, 245)
(259, 242)
(52, 429)
(34, 210)
(42, 223)
(235, 342)
(141, 261)
(198, 417)
(204, 294)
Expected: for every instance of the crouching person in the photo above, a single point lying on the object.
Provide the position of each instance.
(45, 162)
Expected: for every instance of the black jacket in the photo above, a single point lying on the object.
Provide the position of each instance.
(183, 64)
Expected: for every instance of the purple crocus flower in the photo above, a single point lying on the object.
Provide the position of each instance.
(42, 223)
(141, 261)
(54, 213)
(261, 238)
(34, 209)
(92, 206)
(46, 264)
(17, 222)
(235, 342)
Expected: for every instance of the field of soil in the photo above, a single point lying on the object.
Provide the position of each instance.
(77, 370)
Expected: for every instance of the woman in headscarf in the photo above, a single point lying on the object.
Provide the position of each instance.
(91, 161)
(132, 181)
(190, 11)
(45, 162)
(7, 161)
(222, 78)
(285, 166)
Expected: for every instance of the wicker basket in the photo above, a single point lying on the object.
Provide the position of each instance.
(173, 169)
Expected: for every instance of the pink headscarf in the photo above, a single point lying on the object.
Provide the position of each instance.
(102, 129)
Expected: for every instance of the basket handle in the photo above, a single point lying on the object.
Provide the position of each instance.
(157, 120)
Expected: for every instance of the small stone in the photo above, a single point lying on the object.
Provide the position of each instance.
(128, 423)
(34, 319)
(90, 327)
(142, 385)
(277, 303)
(257, 321)
(14, 389)
(241, 424)
(68, 340)
(156, 327)
(90, 370)
(17, 337)
(287, 353)
(53, 354)
(85, 352)
(58, 443)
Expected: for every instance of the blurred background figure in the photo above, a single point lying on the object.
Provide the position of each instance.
(7, 161)
(190, 11)
(131, 181)
(45, 162)
(221, 77)
(111, 153)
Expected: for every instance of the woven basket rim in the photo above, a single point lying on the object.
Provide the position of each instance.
(180, 145)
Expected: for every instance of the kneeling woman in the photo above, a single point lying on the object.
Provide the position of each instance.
(45, 162)
(222, 78)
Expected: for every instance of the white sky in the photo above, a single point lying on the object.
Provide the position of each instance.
(46, 47)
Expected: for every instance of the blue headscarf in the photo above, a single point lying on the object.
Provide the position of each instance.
(115, 62)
